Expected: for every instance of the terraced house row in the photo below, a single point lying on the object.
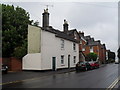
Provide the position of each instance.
(49, 48)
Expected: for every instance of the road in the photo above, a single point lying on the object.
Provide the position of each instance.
(97, 78)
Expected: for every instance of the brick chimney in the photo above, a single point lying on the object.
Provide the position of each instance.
(65, 26)
(99, 41)
(81, 33)
(45, 18)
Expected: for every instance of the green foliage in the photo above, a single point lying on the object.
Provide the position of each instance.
(20, 51)
(91, 56)
(14, 30)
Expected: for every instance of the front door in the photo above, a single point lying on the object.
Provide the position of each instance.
(68, 61)
(53, 63)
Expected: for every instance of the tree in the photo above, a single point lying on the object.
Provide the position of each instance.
(91, 56)
(20, 51)
(14, 29)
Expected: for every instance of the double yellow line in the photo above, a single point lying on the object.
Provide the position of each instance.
(113, 84)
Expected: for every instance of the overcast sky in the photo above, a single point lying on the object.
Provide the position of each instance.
(97, 19)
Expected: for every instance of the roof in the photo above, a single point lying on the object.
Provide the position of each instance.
(87, 37)
(60, 34)
(93, 43)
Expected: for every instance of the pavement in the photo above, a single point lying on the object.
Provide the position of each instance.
(66, 70)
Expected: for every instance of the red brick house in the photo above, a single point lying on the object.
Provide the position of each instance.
(88, 45)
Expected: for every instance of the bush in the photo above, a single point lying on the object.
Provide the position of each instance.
(91, 56)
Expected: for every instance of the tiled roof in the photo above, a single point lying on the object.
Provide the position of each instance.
(60, 34)
(92, 43)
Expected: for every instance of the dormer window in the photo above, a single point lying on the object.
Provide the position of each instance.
(75, 36)
(80, 41)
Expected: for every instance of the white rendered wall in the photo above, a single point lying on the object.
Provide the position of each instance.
(31, 62)
(51, 47)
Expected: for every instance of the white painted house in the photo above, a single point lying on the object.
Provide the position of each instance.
(50, 49)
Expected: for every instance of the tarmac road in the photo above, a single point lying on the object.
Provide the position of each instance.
(102, 77)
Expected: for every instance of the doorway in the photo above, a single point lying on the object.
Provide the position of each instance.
(68, 61)
(53, 63)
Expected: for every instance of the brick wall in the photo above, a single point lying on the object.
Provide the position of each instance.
(13, 63)
(16, 64)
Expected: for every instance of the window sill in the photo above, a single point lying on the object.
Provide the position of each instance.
(75, 51)
(62, 49)
(62, 64)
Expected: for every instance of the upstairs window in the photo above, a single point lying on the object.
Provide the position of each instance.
(62, 44)
(80, 41)
(75, 36)
(83, 49)
(91, 49)
(74, 46)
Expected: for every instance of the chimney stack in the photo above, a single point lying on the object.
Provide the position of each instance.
(81, 33)
(45, 18)
(99, 41)
(65, 26)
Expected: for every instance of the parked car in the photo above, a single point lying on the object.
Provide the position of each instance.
(92, 64)
(83, 65)
(116, 62)
(4, 69)
(96, 64)
(88, 65)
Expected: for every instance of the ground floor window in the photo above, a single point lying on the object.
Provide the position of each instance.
(74, 59)
(62, 59)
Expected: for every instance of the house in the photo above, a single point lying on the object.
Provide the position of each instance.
(110, 56)
(49, 48)
(76, 35)
(95, 47)
(89, 45)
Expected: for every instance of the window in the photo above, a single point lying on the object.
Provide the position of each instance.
(62, 43)
(74, 46)
(91, 49)
(74, 59)
(62, 59)
(83, 49)
(75, 36)
(80, 41)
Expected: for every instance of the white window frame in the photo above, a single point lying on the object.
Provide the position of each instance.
(74, 59)
(75, 35)
(62, 43)
(62, 59)
(74, 46)
(91, 49)
(83, 49)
